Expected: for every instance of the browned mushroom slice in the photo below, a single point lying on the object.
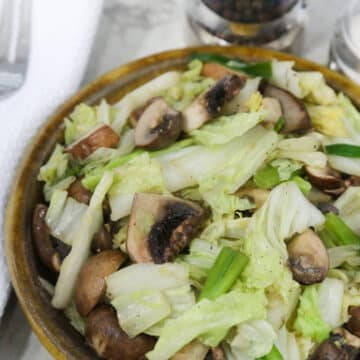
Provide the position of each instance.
(136, 113)
(194, 350)
(208, 105)
(103, 136)
(272, 109)
(347, 337)
(216, 353)
(78, 192)
(324, 179)
(331, 349)
(327, 207)
(160, 227)
(90, 284)
(104, 335)
(353, 324)
(308, 258)
(102, 240)
(294, 112)
(41, 236)
(158, 126)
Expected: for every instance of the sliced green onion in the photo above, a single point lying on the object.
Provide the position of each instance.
(263, 69)
(267, 177)
(279, 124)
(228, 266)
(337, 233)
(328, 238)
(274, 354)
(303, 185)
(346, 150)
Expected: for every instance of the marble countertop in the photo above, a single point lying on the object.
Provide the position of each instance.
(131, 29)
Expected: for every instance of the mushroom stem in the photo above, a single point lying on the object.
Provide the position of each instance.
(41, 236)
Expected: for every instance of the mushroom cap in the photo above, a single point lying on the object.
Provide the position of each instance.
(41, 237)
(102, 136)
(328, 350)
(90, 284)
(136, 113)
(104, 335)
(158, 126)
(160, 227)
(256, 195)
(324, 179)
(295, 114)
(102, 240)
(78, 192)
(308, 258)
(210, 103)
(353, 324)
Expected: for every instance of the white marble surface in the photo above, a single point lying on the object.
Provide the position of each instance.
(130, 29)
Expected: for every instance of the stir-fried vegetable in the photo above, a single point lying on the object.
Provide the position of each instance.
(209, 212)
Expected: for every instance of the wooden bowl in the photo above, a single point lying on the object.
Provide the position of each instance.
(50, 325)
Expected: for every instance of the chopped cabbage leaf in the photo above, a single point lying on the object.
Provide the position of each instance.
(226, 311)
(309, 321)
(226, 128)
(348, 205)
(147, 276)
(142, 174)
(85, 118)
(56, 167)
(253, 339)
(352, 115)
(76, 320)
(63, 216)
(288, 345)
(88, 225)
(63, 184)
(285, 212)
(316, 90)
(285, 77)
(140, 310)
(339, 255)
(191, 85)
(302, 149)
(286, 168)
(328, 120)
(330, 299)
(253, 104)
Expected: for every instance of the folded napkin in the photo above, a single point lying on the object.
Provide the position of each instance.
(62, 36)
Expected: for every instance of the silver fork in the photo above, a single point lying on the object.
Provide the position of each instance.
(15, 21)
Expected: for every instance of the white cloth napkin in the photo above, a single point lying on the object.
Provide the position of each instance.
(62, 36)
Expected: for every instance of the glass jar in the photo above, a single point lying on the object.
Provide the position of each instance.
(345, 44)
(269, 23)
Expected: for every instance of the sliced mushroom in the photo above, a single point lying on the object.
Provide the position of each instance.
(158, 126)
(296, 117)
(272, 109)
(256, 195)
(77, 191)
(216, 71)
(327, 207)
(353, 180)
(216, 353)
(102, 240)
(90, 284)
(41, 236)
(324, 178)
(308, 258)
(194, 350)
(104, 335)
(340, 346)
(353, 324)
(102, 136)
(160, 227)
(330, 350)
(347, 337)
(136, 113)
(208, 105)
